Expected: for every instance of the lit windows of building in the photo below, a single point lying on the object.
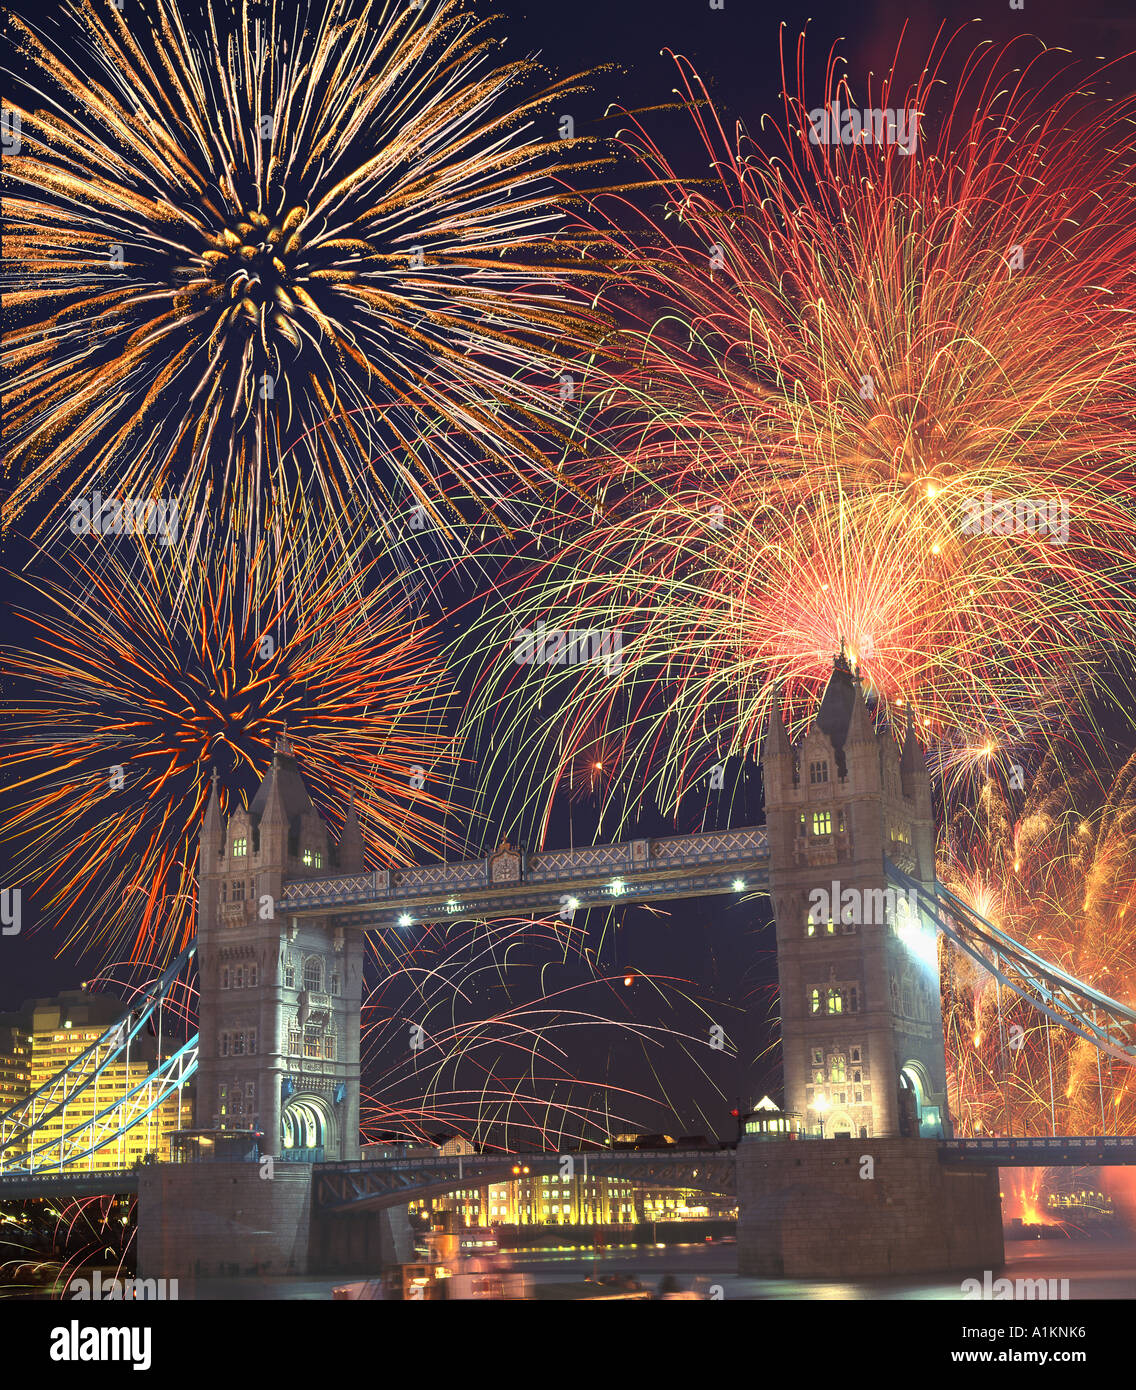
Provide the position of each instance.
(240, 847)
(822, 823)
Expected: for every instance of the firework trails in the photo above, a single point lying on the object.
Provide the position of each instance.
(318, 252)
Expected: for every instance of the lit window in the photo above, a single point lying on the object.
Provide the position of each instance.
(815, 1001)
(240, 847)
(837, 1070)
(801, 824)
(329, 1047)
(822, 822)
(295, 1043)
(312, 1040)
(308, 858)
(835, 1002)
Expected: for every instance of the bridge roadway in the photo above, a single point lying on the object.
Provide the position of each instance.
(387, 1182)
(511, 881)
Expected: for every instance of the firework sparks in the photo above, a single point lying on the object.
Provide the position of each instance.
(349, 277)
(172, 665)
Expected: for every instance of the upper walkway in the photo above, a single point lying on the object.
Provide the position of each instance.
(510, 880)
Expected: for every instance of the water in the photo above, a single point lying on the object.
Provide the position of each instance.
(1096, 1269)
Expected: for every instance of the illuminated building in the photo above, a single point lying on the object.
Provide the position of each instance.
(15, 1068)
(60, 1030)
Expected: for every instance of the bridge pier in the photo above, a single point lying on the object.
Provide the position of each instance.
(853, 1208)
(361, 1242)
(211, 1220)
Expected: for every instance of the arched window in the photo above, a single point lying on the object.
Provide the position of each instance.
(818, 772)
(837, 1069)
(835, 1002)
(814, 1000)
(822, 822)
(240, 847)
(313, 974)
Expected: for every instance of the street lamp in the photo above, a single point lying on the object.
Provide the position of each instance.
(821, 1105)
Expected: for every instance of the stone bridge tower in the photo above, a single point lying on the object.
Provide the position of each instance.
(279, 998)
(861, 1022)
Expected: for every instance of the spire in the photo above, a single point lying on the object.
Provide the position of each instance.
(912, 759)
(211, 825)
(274, 812)
(351, 841)
(776, 739)
(282, 744)
(860, 726)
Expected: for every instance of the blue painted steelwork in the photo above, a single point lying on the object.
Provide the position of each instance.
(1110, 1027)
(20, 1124)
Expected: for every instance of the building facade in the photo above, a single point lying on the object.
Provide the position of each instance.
(279, 997)
(861, 1022)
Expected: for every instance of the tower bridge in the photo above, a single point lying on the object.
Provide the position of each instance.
(283, 910)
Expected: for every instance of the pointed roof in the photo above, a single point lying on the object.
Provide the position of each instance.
(912, 758)
(211, 825)
(351, 841)
(776, 738)
(838, 704)
(283, 789)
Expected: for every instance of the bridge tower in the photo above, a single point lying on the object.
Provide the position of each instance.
(279, 998)
(861, 1022)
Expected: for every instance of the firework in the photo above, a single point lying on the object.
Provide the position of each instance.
(867, 395)
(1055, 867)
(309, 248)
(166, 665)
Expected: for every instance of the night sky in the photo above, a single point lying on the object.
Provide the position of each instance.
(722, 948)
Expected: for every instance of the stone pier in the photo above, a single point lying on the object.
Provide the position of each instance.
(852, 1208)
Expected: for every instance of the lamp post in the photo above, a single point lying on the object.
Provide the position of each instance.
(821, 1105)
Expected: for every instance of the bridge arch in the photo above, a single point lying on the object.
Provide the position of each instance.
(308, 1122)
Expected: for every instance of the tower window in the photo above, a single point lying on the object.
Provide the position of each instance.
(837, 1070)
(295, 1043)
(335, 985)
(855, 1054)
(289, 975)
(856, 1077)
(835, 1002)
(818, 772)
(329, 1047)
(239, 977)
(251, 1036)
(859, 1097)
(240, 847)
(814, 1001)
(853, 1001)
(238, 1044)
(225, 977)
(818, 1056)
(239, 891)
(224, 892)
(224, 1048)
(252, 977)
(822, 822)
(312, 1041)
(801, 825)
(313, 974)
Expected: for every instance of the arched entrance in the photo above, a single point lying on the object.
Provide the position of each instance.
(307, 1129)
(918, 1117)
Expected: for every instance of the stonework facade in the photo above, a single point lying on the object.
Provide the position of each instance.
(862, 1035)
(279, 997)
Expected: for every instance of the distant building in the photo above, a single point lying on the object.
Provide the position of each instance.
(44, 1038)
